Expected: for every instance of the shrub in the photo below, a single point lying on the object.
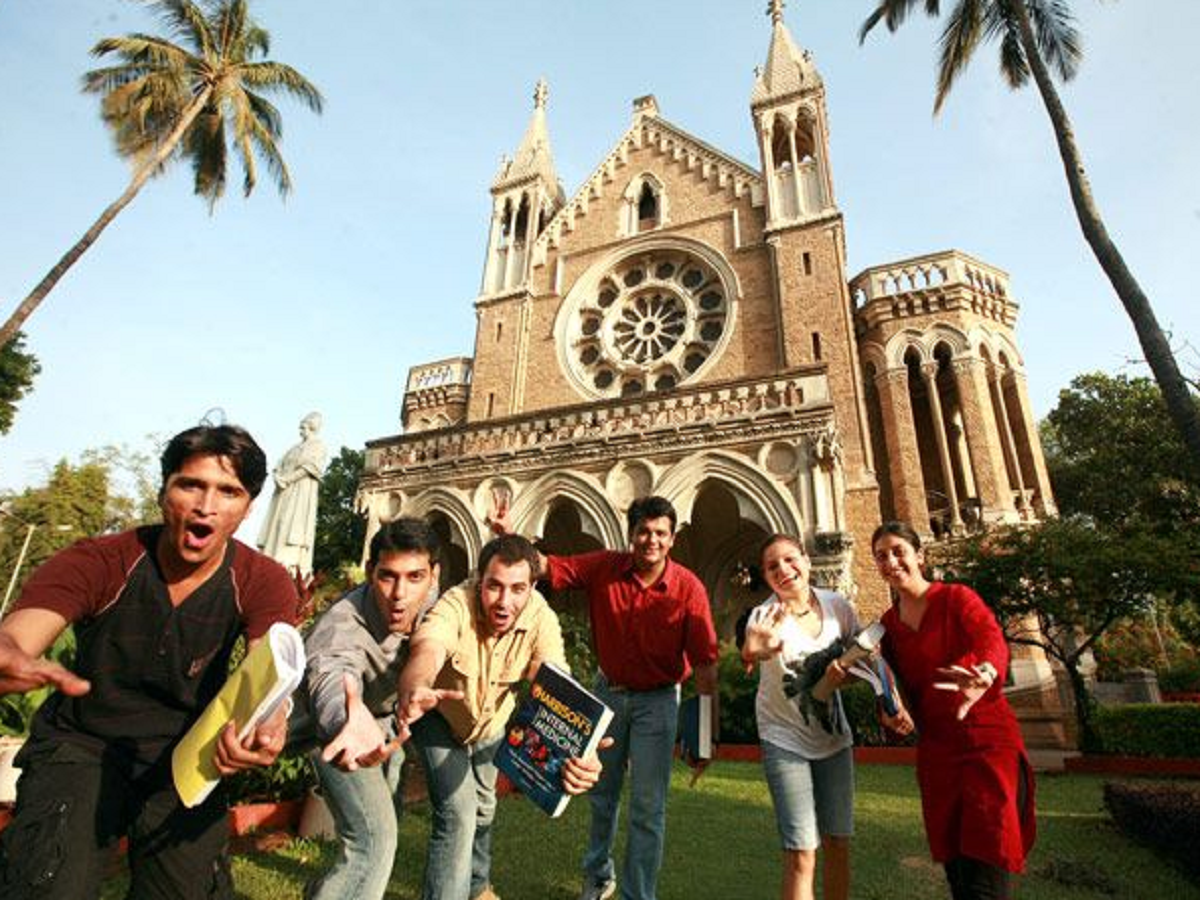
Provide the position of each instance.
(1168, 730)
(1183, 676)
(737, 691)
(577, 644)
(1166, 816)
(289, 778)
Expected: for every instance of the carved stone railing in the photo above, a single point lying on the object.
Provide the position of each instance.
(707, 414)
(442, 373)
(924, 284)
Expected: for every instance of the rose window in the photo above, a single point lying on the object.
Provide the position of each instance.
(647, 323)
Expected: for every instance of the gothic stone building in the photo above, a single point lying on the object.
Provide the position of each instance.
(682, 325)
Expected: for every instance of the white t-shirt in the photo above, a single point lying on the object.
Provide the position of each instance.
(782, 718)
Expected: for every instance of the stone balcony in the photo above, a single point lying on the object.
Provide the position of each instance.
(436, 394)
(931, 283)
(719, 414)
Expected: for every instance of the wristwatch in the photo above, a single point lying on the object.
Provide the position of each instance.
(988, 671)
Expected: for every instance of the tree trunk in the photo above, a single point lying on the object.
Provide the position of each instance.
(1083, 702)
(68, 259)
(1181, 406)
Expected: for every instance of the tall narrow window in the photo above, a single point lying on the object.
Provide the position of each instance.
(491, 403)
(499, 331)
(522, 225)
(647, 208)
(807, 260)
(816, 342)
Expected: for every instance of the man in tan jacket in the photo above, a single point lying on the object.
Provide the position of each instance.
(482, 638)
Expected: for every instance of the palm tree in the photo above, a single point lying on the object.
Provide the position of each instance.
(195, 95)
(1036, 36)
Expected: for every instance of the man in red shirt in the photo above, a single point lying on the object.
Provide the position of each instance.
(156, 613)
(651, 627)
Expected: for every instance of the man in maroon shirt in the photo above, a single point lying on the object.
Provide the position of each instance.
(156, 612)
(651, 627)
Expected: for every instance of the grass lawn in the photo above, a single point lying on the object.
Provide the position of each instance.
(721, 844)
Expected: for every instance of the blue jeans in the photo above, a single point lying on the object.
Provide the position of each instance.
(462, 792)
(365, 805)
(813, 798)
(643, 731)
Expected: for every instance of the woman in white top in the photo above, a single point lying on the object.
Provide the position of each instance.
(796, 636)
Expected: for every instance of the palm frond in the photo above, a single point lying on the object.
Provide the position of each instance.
(268, 150)
(265, 114)
(185, 21)
(143, 49)
(1013, 65)
(893, 13)
(1058, 40)
(958, 42)
(278, 77)
(204, 145)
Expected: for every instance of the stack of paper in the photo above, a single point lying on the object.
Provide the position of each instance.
(266, 677)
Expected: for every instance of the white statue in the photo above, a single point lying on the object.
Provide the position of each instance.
(287, 534)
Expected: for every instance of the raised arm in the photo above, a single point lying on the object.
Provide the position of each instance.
(416, 694)
(25, 635)
(499, 520)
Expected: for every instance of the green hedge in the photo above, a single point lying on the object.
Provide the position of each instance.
(1165, 816)
(1167, 730)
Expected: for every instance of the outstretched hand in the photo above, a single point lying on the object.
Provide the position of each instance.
(361, 743)
(20, 672)
(415, 703)
(762, 637)
(972, 683)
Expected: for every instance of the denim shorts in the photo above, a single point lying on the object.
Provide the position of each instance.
(811, 797)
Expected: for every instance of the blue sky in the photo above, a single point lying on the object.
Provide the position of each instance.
(269, 309)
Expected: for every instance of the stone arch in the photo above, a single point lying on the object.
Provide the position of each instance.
(457, 510)
(958, 342)
(873, 354)
(760, 498)
(598, 518)
(632, 220)
(898, 346)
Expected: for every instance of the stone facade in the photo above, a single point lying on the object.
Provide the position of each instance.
(682, 324)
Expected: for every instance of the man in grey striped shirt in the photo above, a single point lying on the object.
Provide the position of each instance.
(355, 653)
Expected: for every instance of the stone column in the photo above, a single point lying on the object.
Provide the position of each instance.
(796, 192)
(511, 247)
(1033, 448)
(1006, 436)
(983, 439)
(904, 457)
(769, 166)
(489, 264)
(929, 375)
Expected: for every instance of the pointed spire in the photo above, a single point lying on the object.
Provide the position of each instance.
(788, 69)
(533, 156)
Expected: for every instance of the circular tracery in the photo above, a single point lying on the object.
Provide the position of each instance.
(647, 323)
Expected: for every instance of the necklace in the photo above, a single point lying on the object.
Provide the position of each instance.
(800, 613)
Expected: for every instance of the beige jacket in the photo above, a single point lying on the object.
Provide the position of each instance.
(486, 669)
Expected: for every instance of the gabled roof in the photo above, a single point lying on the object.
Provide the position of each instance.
(647, 130)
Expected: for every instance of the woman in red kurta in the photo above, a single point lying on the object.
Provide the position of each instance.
(949, 653)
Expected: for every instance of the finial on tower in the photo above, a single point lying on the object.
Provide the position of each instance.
(775, 11)
(540, 93)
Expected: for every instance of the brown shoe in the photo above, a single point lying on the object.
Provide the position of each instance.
(486, 894)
